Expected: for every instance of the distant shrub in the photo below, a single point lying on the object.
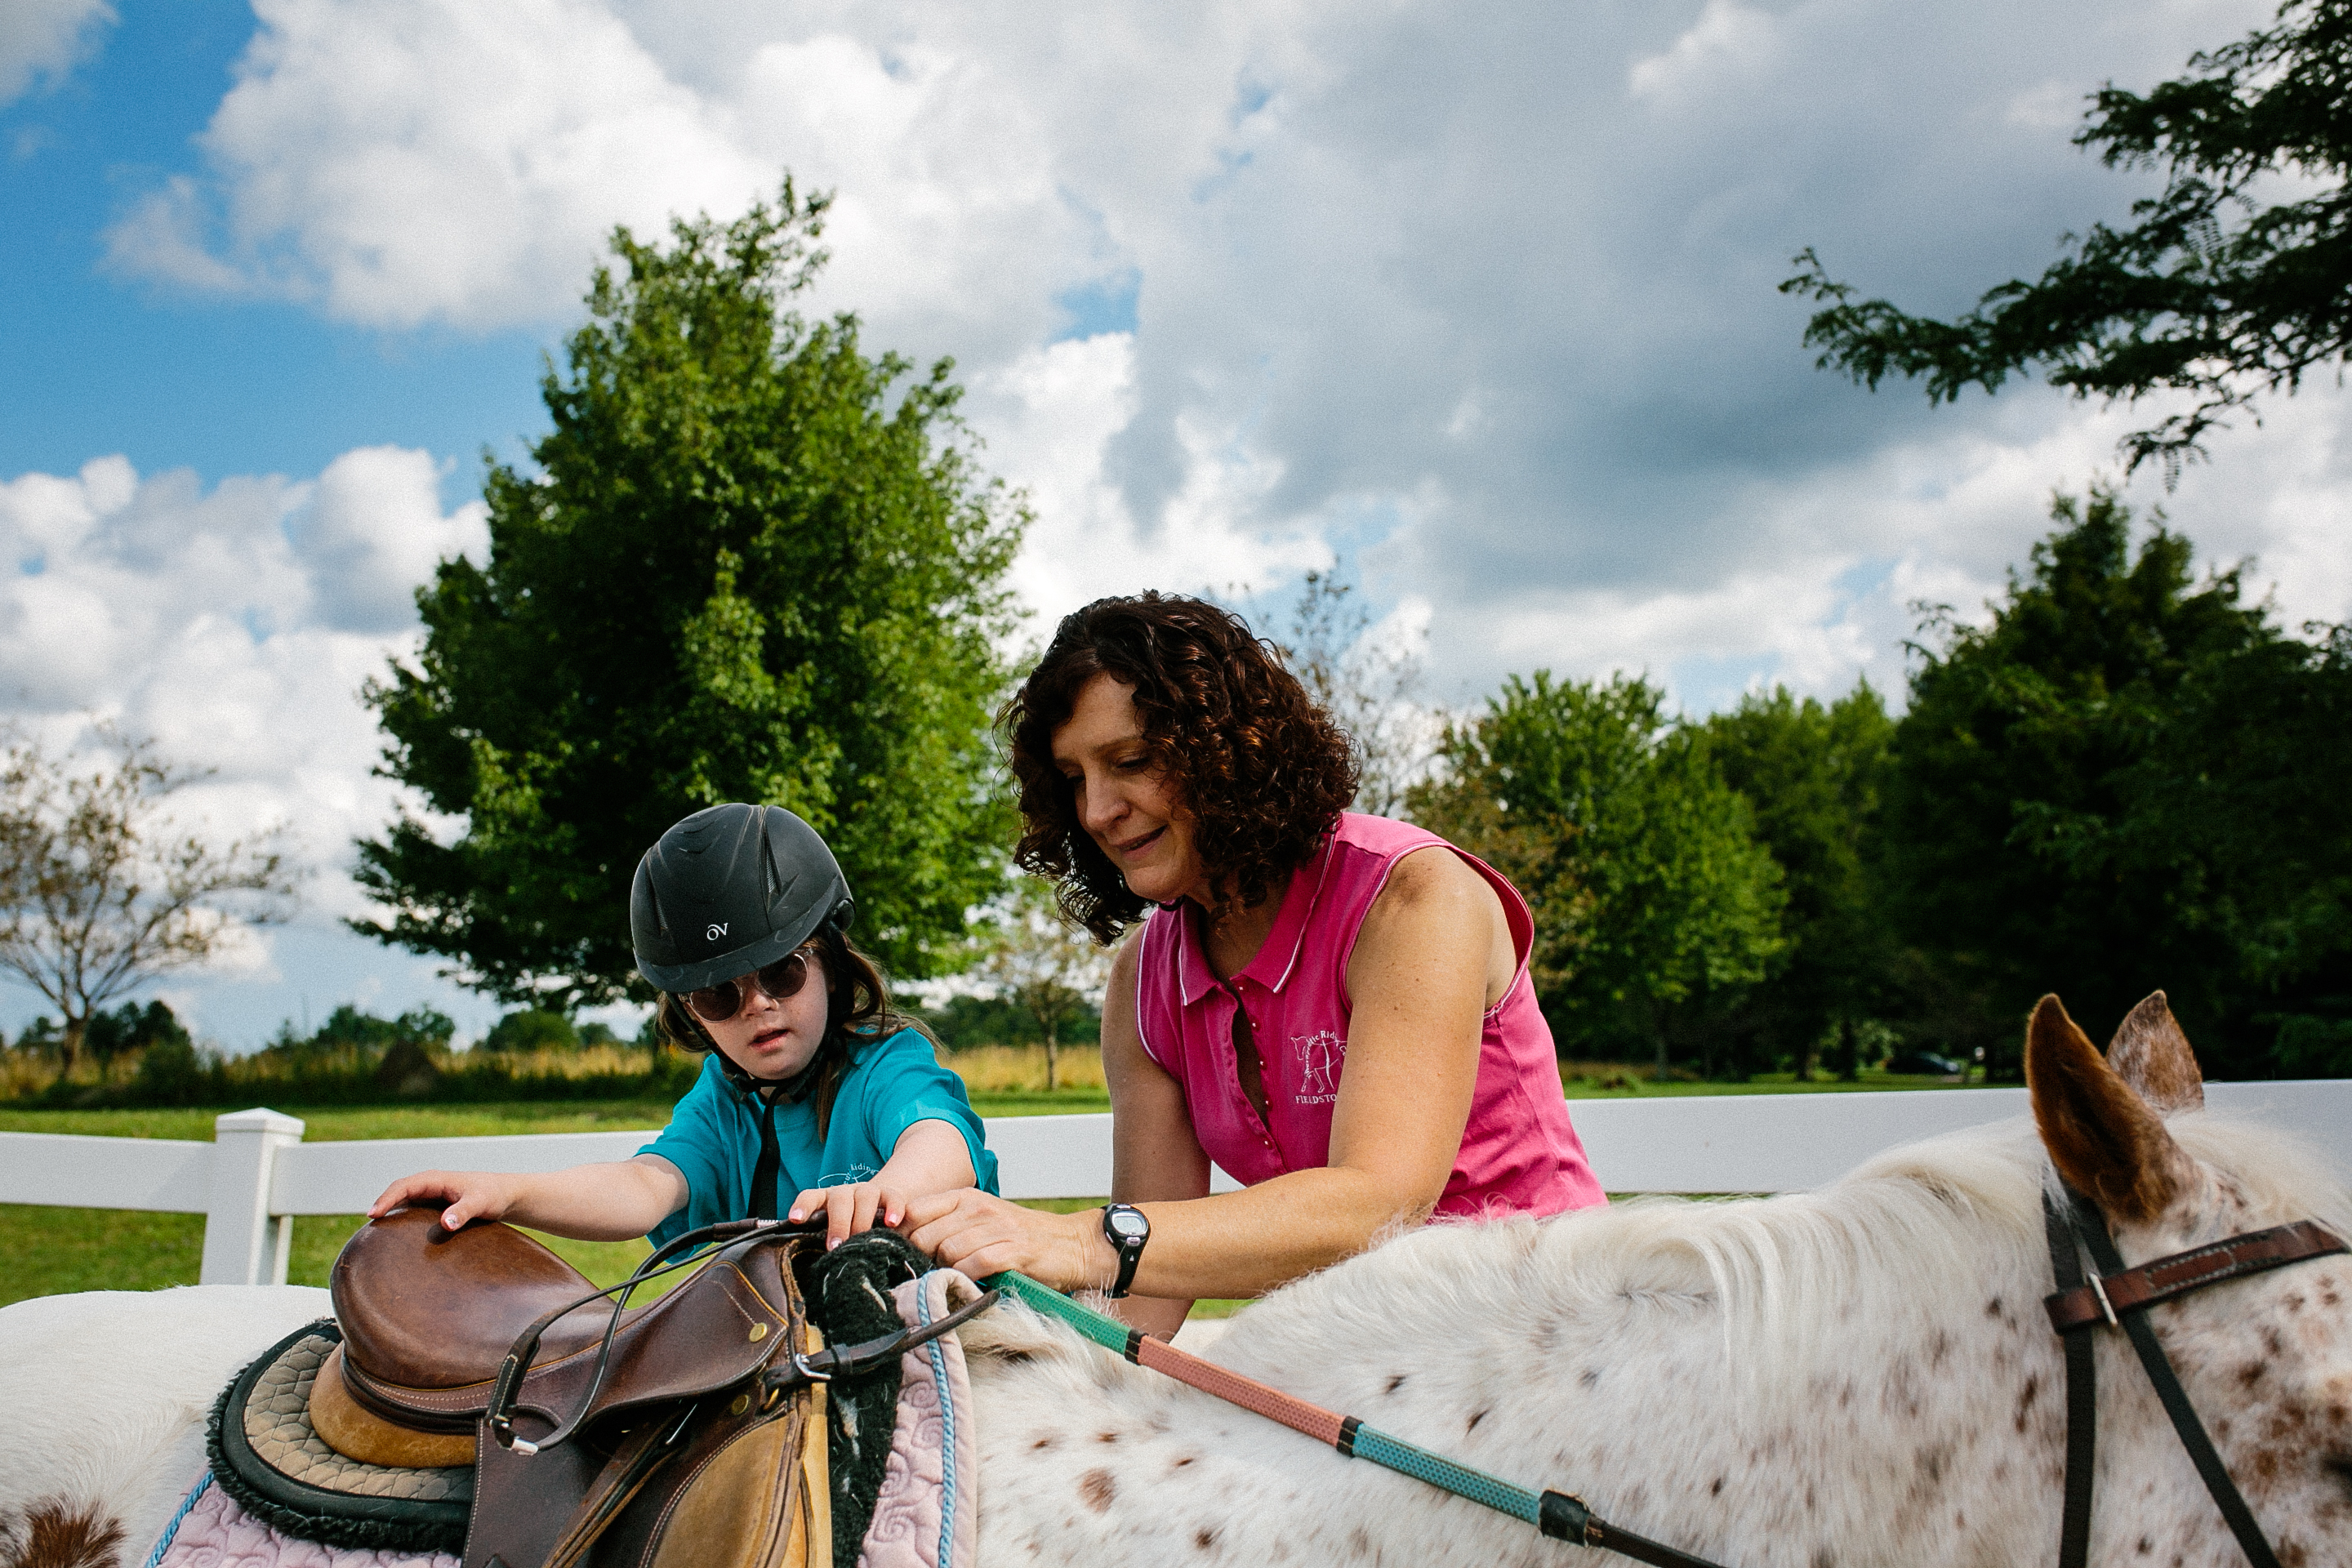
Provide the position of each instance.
(533, 1029)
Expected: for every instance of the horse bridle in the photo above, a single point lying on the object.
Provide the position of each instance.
(2120, 1297)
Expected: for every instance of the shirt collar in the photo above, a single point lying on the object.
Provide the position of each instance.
(1277, 958)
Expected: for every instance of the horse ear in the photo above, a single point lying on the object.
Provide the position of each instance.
(2103, 1137)
(2151, 1054)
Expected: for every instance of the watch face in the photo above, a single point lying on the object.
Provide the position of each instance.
(1129, 1223)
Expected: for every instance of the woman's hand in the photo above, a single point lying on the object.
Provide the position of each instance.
(983, 1234)
(470, 1195)
(851, 1210)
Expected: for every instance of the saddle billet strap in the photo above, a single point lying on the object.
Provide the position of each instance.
(2091, 1226)
(1556, 1514)
(2082, 1395)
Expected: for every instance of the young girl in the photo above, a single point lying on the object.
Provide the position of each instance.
(741, 918)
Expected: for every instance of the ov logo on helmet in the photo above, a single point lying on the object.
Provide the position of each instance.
(714, 933)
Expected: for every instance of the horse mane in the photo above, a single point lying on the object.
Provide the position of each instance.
(1908, 1234)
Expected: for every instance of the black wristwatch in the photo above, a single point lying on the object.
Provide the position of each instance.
(1127, 1230)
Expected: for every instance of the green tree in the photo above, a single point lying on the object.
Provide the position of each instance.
(2024, 857)
(131, 1030)
(531, 1029)
(1035, 961)
(1652, 891)
(2234, 282)
(751, 563)
(1812, 774)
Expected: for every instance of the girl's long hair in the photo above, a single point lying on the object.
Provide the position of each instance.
(857, 1013)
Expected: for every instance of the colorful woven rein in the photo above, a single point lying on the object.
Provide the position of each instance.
(1556, 1514)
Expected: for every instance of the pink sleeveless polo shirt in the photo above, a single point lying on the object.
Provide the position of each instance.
(1519, 1153)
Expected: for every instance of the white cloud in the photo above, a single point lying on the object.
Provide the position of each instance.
(1727, 39)
(46, 39)
(1490, 308)
(234, 626)
(373, 531)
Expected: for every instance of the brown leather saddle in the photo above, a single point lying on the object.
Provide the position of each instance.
(687, 1431)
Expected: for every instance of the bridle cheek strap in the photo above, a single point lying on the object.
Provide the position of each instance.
(2121, 1296)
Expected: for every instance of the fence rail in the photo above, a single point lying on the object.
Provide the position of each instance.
(256, 1174)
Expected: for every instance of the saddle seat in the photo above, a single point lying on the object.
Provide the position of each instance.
(429, 1314)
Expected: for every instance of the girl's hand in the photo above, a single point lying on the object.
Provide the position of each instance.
(470, 1195)
(983, 1234)
(851, 1210)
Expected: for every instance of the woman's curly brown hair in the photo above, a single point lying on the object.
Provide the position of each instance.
(1264, 771)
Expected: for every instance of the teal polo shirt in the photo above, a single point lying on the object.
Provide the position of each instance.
(713, 1136)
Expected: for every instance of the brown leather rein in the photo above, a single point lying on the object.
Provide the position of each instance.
(2120, 1297)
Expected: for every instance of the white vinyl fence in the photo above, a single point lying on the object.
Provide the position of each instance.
(257, 1173)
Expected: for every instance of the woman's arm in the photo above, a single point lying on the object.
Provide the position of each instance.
(1426, 967)
(1155, 1156)
(930, 1157)
(615, 1201)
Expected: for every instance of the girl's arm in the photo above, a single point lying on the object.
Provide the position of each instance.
(619, 1201)
(930, 1157)
(1435, 953)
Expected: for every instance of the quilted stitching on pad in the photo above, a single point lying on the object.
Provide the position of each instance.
(216, 1533)
(277, 1425)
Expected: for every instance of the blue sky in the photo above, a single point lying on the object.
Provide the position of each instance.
(1485, 311)
(100, 362)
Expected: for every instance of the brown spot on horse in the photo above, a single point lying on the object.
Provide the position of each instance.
(1097, 1489)
(55, 1538)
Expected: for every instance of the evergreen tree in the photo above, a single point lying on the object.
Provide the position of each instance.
(750, 563)
(2024, 856)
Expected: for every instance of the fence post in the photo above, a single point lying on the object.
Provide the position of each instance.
(240, 1243)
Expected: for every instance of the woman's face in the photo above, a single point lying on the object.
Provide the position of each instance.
(1124, 802)
(774, 1039)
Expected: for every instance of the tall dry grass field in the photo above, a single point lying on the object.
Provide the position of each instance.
(1021, 1070)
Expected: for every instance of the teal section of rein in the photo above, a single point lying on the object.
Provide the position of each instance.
(1106, 1331)
(1395, 1454)
(1368, 1442)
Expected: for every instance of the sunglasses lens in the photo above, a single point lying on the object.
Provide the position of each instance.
(785, 976)
(716, 1003)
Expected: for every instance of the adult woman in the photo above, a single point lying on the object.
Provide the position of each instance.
(1342, 1022)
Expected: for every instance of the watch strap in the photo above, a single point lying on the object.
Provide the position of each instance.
(1129, 1248)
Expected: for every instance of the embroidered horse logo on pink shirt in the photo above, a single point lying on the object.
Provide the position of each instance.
(1321, 1055)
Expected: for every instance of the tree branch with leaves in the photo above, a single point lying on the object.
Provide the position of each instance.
(100, 892)
(2214, 292)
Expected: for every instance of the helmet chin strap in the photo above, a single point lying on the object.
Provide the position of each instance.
(770, 1090)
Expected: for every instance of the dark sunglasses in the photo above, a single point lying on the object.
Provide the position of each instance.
(716, 1003)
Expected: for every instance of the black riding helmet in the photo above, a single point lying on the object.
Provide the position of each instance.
(730, 889)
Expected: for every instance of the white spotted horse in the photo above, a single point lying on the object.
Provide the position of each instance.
(1865, 1374)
